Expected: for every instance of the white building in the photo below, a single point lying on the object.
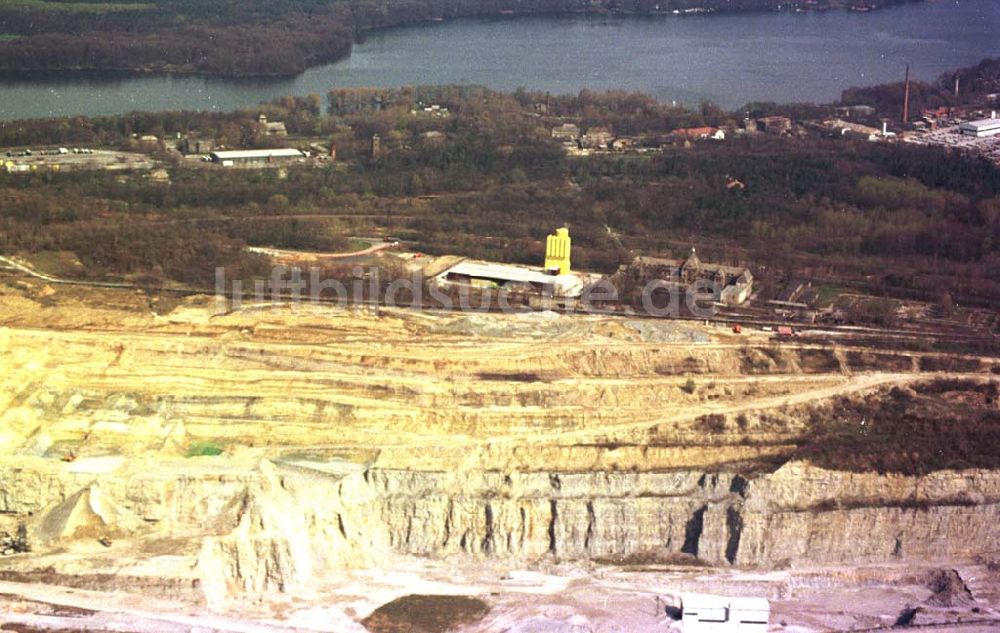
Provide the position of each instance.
(511, 277)
(566, 132)
(981, 128)
(702, 613)
(254, 156)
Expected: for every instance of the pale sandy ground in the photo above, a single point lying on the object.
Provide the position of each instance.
(551, 599)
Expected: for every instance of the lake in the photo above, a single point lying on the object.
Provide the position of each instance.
(729, 59)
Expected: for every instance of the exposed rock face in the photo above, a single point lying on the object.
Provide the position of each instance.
(806, 514)
(341, 439)
(288, 526)
(267, 550)
(799, 514)
(275, 528)
(570, 515)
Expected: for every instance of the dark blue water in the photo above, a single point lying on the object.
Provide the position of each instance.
(730, 59)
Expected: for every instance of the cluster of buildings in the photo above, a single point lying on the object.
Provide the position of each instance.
(432, 110)
(853, 129)
(210, 150)
(193, 145)
(580, 142)
(950, 116)
(599, 138)
(949, 126)
(733, 284)
(561, 286)
(960, 130)
(263, 129)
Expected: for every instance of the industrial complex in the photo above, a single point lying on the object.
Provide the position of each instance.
(555, 279)
(730, 285)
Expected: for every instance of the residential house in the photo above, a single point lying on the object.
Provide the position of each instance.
(194, 145)
(566, 132)
(597, 138)
(775, 124)
(270, 128)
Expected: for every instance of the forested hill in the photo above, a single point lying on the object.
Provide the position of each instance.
(265, 38)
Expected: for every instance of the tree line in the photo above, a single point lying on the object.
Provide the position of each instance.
(282, 48)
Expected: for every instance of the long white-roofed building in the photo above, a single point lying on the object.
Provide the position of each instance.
(981, 128)
(236, 157)
(555, 279)
(511, 277)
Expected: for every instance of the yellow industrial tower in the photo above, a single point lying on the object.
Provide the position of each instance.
(557, 252)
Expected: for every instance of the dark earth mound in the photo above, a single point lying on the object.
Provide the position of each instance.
(425, 614)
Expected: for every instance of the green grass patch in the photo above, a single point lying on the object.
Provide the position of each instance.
(204, 449)
(80, 7)
(827, 294)
(6, 37)
(58, 263)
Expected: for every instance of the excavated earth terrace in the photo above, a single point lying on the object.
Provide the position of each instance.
(175, 465)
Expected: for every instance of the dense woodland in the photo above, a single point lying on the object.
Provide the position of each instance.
(898, 220)
(256, 37)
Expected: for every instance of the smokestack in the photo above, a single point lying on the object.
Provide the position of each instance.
(957, 80)
(906, 96)
(885, 128)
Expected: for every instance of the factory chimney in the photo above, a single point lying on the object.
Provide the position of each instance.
(957, 81)
(906, 96)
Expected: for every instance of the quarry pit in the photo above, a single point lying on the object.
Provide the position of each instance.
(174, 465)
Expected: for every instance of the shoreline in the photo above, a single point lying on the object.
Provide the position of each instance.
(360, 34)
